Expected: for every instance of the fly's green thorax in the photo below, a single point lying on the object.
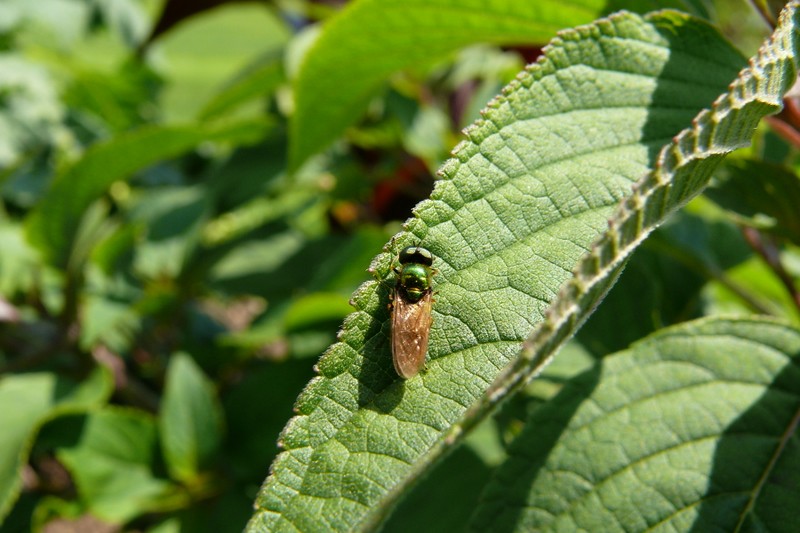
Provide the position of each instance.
(414, 274)
(414, 280)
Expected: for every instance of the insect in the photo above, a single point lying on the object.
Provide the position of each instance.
(411, 310)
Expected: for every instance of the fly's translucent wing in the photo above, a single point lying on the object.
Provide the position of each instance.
(411, 324)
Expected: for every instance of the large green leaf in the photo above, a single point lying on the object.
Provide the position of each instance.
(527, 241)
(691, 426)
(52, 226)
(27, 401)
(370, 39)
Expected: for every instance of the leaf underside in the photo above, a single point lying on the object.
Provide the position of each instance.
(524, 203)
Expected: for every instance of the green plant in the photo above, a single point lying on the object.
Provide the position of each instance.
(174, 259)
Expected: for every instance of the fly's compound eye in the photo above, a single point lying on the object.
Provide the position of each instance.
(417, 255)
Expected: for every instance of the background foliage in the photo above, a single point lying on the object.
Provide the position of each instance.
(190, 195)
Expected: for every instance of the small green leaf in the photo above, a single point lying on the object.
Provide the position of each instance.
(112, 465)
(190, 419)
(387, 37)
(691, 428)
(53, 224)
(29, 400)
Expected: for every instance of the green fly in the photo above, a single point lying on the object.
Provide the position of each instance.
(411, 310)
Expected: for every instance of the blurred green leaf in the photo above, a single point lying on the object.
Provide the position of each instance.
(126, 18)
(23, 184)
(258, 173)
(102, 102)
(258, 80)
(315, 308)
(19, 519)
(110, 317)
(112, 464)
(190, 419)
(428, 135)
(172, 219)
(305, 306)
(29, 400)
(719, 450)
(64, 22)
(332, 90)
(109, 322)
(115, 252)
(17, 272)
(224, 514)
(766, 288)
(209, 48)
(257, 266)
(761, 195)
(54, 222)
(54, 511)
(31, 114)
(277, 267)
